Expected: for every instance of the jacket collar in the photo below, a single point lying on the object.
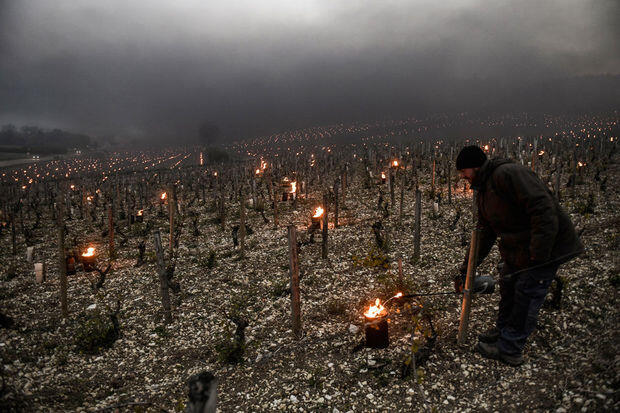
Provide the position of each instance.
(481, 176)
(485, 172)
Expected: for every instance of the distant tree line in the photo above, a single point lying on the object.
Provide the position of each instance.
(41, 141)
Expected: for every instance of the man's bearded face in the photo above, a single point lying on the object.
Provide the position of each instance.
(468, 174)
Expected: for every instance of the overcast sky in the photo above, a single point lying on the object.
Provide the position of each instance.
(138, 68)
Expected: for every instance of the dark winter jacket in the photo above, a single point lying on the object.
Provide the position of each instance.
(515, 206)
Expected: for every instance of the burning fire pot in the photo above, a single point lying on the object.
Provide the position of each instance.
(89, 259)
(317, 218)
(376, 326)
(289, 189)
(139, 216)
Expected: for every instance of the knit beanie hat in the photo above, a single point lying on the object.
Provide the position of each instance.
(470, 157)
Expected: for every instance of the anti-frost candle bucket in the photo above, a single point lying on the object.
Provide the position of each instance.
(376, 326)
(89, 259)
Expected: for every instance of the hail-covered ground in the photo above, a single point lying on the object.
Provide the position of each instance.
(571, 360)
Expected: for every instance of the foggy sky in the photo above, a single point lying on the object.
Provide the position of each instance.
(161, 68)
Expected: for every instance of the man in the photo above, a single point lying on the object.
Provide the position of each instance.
(535, 237)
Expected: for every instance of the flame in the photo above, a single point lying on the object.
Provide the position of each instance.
(257, 171)
(541, 153)
(486, 148)
(293, 187)
(395, 163)
(163, 196)
(376, 310)
(72, 186)
(398, 295)
(580, 164)
(318, 212)
(89, 252)
(140, 213)
(382, 175)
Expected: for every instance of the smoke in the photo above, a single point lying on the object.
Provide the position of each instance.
(148, 68)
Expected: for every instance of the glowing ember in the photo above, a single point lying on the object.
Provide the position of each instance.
(318, 212)
(140, 213)
(376, 310)
(164, 196)
(395, 163)
(89, 252)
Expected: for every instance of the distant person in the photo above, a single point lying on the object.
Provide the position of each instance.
(535, 237)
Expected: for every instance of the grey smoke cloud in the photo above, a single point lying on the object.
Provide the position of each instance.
(157, 67)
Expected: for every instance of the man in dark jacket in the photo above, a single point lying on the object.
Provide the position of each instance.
(535, 237)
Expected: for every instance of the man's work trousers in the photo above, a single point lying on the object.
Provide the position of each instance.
(521, 297)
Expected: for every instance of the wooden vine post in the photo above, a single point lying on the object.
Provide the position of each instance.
(294, 271)
(400, 283)
(433, 179)
(273, 193)
(417, 225)
(171, 209)
(164, 288)
(325, 224)
(222, 203)
(62, 263)
(469, 280)
(13, 234)
(449, 183)
(242, 222)
(391, 177)
(111, 230)
(336, 204)
(402, 200)
(344, 187)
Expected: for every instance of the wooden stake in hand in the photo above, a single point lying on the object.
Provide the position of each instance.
(469, 280)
